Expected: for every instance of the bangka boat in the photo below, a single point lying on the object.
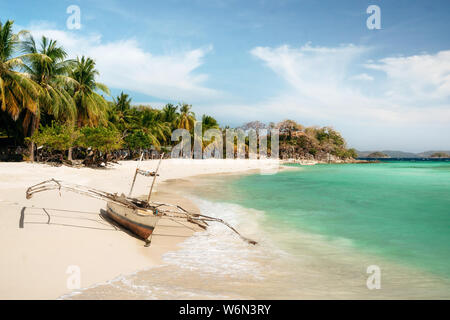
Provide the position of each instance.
(140, 222)
(138, 216)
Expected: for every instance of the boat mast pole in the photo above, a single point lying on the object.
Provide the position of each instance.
(154, 178)
(135, 174)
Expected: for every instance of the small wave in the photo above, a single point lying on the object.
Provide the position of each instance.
(217, 264)
(218, 250)
(216, 255)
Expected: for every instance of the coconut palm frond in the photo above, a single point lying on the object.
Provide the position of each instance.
(102, 87)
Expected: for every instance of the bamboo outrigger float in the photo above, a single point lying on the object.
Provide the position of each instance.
(138, 216)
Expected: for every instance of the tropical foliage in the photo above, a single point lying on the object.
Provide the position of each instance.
(57, 105)
(186, 118)
(91, 106)
(56, 137)
(18, 92)
(325, 144)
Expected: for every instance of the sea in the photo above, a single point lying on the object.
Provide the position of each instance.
(329, 231)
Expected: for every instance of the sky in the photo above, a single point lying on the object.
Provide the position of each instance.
(313, 61)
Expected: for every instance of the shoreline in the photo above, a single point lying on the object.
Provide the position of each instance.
(220, 266)
(115, 265)
(329, 256)
(63, 234)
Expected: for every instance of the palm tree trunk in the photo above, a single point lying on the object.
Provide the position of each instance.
(32, 151)
(32, 129)
(69, 154)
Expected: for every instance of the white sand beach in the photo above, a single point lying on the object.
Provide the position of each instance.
(64, 233)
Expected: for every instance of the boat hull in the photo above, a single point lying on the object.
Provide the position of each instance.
(140, 222)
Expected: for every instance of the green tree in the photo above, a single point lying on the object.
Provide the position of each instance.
(186, 120)
(121, 114)
(139, 139)
(100, 142)
(123, 102)
(56, 137)
(153, 123)
(100, 139)
(91, 106)
(170, 115)
(209, 122)
(17, 91)
(351, 153)
(52, 76)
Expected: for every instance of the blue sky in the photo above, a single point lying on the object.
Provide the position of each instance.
(312, 61)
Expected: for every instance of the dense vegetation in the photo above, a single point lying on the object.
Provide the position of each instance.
(324, 144)
(56, 106)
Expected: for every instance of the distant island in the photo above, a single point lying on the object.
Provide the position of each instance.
(377, 154)
(402, 154)
(440, 155)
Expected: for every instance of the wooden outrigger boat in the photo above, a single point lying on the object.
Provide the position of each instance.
(140, 222)
(138, 216)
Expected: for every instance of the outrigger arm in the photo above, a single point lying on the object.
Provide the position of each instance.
(168, 210)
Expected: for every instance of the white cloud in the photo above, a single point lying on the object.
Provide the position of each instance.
(318, 85)
(310, 69)
(124, 64)
(408, 99)
(423, 77)
(363, 77)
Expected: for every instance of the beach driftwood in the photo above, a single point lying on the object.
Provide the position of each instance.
(152, 208)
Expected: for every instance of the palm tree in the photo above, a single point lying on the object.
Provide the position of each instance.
(170, 114)
(91, 106)
(17, 90)
(152, 120)
(120, 113)
(209, 122)
(47, 67)
(122, 102)
(186, 120)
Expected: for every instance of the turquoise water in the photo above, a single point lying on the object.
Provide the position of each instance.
(318, 229)
(399, 210)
